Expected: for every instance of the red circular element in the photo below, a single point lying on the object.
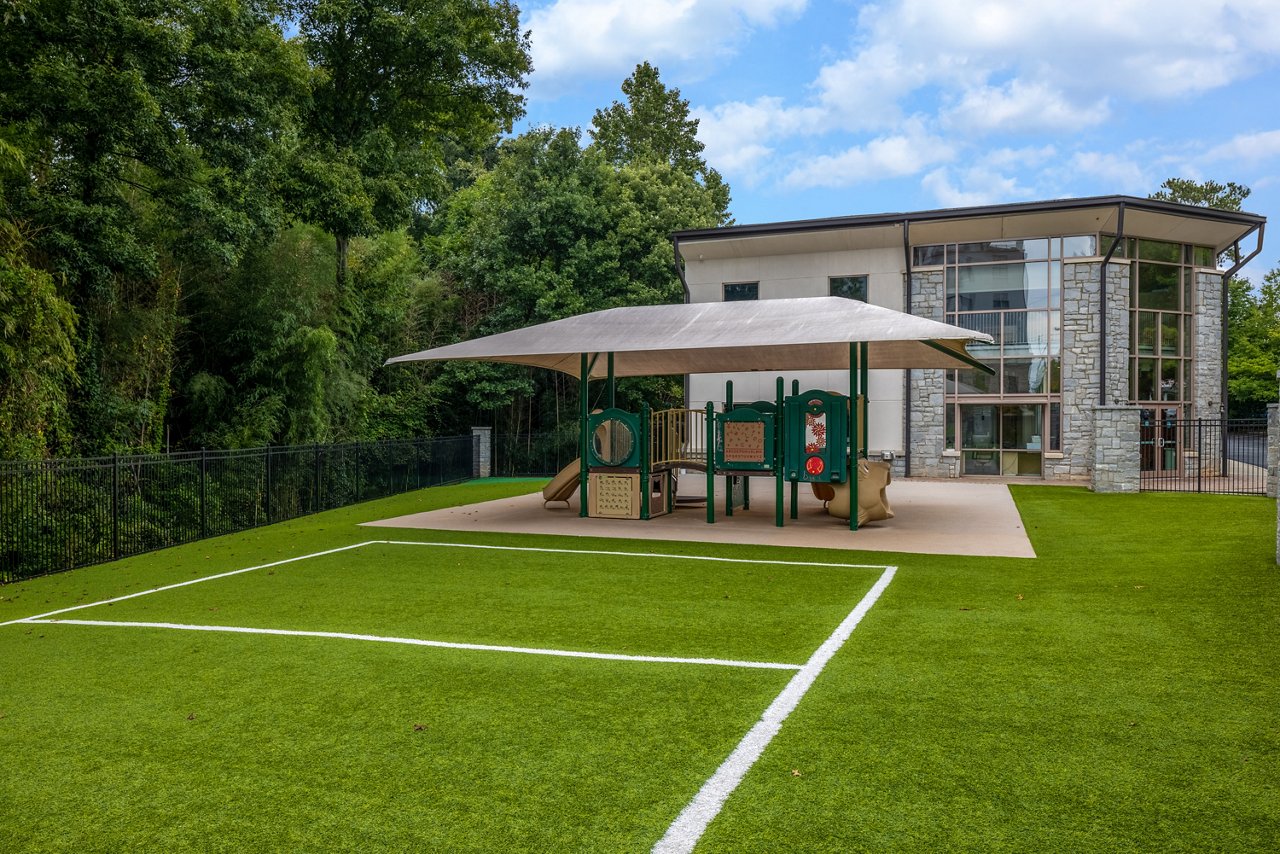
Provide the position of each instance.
(814, 465)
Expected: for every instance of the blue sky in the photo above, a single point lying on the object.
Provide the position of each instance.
(814, 109)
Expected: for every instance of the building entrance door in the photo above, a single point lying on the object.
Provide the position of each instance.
(1158, 439)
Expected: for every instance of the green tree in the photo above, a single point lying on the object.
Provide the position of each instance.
(1205, 194)
(393, 84)
(654, 126)
(151, 134)
(555, 230)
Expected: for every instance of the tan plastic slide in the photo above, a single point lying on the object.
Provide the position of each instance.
(563, 485)
(873, 504)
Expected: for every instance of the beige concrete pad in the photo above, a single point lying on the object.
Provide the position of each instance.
(930, 517)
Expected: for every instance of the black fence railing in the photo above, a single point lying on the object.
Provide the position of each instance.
(1220, 455)
(61, 514)
(534, 454)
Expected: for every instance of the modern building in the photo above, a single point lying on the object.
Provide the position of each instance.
(1093, 303)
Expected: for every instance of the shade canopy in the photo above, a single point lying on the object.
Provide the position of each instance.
(719, 337)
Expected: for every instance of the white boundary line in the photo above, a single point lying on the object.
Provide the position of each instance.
(687, 829)
(438, 545)
(563, 653)
(186, 583)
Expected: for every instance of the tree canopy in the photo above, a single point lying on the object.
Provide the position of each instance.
(214, 232)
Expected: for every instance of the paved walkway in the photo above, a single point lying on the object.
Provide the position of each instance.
(930, 517)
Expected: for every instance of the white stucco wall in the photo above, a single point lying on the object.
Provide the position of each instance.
(806, 275)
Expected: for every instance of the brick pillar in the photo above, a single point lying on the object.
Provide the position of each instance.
(481, 451)
(1117, 458)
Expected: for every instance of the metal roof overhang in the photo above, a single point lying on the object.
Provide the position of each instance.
(765, 335)
(1148, 218)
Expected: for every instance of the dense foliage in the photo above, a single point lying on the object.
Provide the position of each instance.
(219, 218)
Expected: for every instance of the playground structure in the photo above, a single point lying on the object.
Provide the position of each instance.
(628, 460)
(815, 437)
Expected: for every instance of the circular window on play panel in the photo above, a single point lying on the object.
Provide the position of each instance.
(613, 442)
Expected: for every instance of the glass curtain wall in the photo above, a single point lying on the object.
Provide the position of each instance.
(1002, 424)
(1161, 304)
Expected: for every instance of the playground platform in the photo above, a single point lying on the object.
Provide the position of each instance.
(931, 517)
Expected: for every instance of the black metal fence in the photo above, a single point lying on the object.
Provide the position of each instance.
(1218, 455)
(61, 514)
(534, 454)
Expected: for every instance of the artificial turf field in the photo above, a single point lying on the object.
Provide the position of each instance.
(1119, 692)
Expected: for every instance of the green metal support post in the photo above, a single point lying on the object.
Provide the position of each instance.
(728, 478)
(795, 485)
(613, 385)
(854, 376)
(864, 364)
(778, 448)
(711, 462)
(645, 482)
(583, 439)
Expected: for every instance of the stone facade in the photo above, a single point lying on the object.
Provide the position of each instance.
(1081, 360)
(481, 451)
(1116, 460)
(1273, 450)
(926, 389)
(1206, 382)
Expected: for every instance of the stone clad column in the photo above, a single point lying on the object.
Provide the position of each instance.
(928, 387)
(482, 451)
(1117, 457)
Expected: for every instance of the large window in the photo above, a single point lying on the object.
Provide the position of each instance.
(737, 291)
(1161, 288)
(849, 287)
(1011, 290)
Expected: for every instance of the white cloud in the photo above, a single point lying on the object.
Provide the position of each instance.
(884, 157)
(736, 133)
(1116, 170)
(575, 38)
(1249, 148)
(1021, 106)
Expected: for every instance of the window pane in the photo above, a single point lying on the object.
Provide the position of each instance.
(1002, 250)
(1028, 333)
(849, 287)
(1020, 463)
(1000, 286)
(1084, 246)
(1055, 284)
(975, 382)
(1026, 376)
(1169, 337)
(1202, 256)
(1055, 333)
(1188, 279)
(1146, 380)
(1156, 250)
(741, 291)
(1105, 246)
(977, 426)
(951, 289)
(1158, 286)
(951, 426)
(982, 462)
(1055, 426)
(1171, 379)
(1020, 426)
(1145, 338)
(927, 256)
(1186, 335)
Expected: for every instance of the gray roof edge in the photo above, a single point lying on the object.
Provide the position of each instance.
(980, 212)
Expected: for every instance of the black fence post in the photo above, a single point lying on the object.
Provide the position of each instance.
(315, 494)
(204, 497)
(115, 506)
(267, 497)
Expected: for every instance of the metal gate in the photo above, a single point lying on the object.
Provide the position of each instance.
(1220, 455)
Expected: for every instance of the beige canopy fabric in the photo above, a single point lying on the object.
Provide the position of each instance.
(719, 337)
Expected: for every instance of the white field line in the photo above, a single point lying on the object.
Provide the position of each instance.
(687, 829)
(185, 583)
(438, 545)
(609, 656)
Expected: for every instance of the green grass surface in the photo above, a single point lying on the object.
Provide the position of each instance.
(1116, 693)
